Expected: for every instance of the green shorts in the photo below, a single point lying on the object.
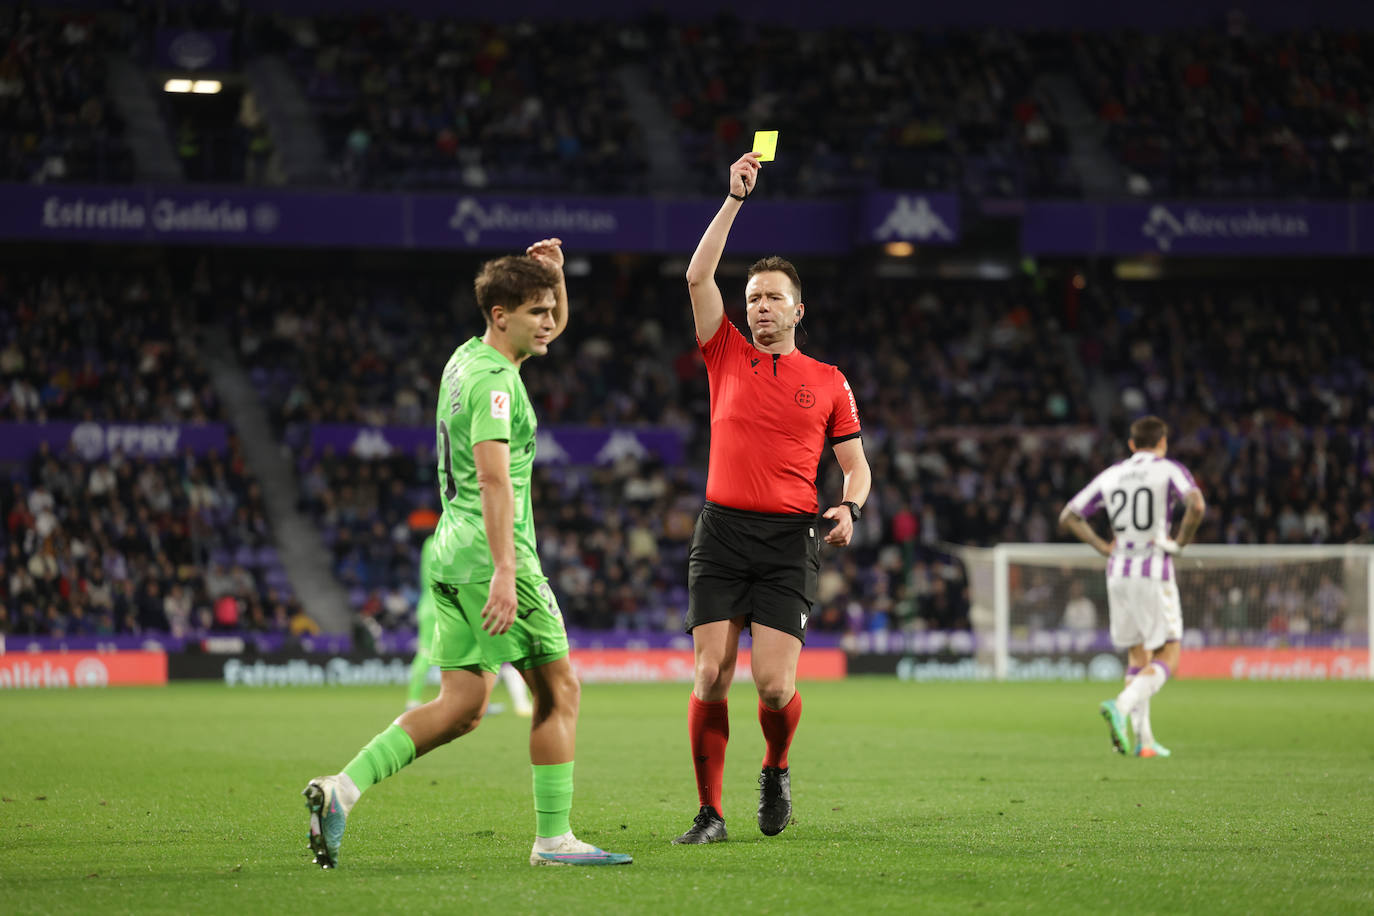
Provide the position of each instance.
(535, 638)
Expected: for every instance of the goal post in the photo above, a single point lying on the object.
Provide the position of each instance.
(1249, 611)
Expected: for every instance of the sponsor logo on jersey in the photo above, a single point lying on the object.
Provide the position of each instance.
(500, 405)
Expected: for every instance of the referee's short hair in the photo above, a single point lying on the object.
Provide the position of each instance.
(510, 282)
(781, 265)
(1147, 431)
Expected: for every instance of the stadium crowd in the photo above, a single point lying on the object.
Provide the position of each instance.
(870, 107)
(407, 102)
(418, 103)
(983, 404)
(118, 543)
(109, 344)
(1234, 111)
(979, 401)
(122, 545)
(57, 122)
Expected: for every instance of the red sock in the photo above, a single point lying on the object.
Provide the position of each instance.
(779, 725)
(708, 726)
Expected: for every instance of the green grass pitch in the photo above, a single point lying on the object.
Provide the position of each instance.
(908, 798)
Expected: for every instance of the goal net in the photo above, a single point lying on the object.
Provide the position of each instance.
(1249, 612)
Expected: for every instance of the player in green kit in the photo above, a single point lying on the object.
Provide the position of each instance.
(424, 629)
(493, 603)
(424, 632)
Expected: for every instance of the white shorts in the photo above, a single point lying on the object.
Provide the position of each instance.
(1143, 612)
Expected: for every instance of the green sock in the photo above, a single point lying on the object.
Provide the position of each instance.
(553, 792)
(419, 671)
(384, 756)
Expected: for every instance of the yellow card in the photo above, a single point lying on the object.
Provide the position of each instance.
(765, 144)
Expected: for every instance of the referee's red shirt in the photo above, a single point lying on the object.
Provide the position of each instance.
(770, 418)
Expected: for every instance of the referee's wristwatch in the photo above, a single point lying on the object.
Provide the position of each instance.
(854, 511)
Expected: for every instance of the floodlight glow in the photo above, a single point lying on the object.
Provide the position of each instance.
(206, 87)
(177, 86)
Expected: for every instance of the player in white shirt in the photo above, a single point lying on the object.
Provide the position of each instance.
(1142, 592)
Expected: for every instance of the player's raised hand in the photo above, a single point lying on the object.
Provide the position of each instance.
(744, 174)
(844, 525)
(499, 612)
(548, 252)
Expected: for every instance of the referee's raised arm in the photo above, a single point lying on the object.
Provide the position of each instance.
(708, 308)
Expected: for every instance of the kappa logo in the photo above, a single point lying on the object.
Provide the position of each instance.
(620, 445)
(548, 450)
(500, 405)
(911, 218)
(370, 443)
(804, 398)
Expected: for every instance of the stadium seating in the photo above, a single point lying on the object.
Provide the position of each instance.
(57, 123)
(121, 543)
(131, 545)
(869, 107)
(407, 103)
(112, 344)
(1238, 113)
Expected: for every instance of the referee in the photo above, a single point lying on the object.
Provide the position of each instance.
(755, 556)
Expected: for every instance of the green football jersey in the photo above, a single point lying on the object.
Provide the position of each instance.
(481, 398)
(424, 606)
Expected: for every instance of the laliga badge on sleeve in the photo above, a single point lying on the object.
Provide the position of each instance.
(765, 144)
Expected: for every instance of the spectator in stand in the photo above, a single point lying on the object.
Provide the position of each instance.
(152, 615)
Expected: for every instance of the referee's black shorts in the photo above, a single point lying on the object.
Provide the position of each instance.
(761, 565)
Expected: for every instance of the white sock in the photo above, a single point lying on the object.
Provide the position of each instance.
(1134, 714)
(515, 685)
(1144, 685)
(550, 843)
(1140, 721)
(349, 793)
